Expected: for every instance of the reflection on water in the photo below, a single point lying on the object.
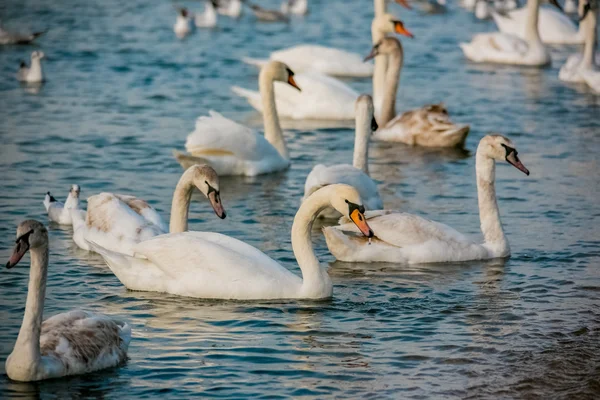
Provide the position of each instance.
(122, 92)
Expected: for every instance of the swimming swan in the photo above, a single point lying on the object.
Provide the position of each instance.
(428, 126)
(584, 67)
(211, 265)
(505, 48)
(322, 97)
(234, 149)
(554, 26)
(33, 73)
(59, 212)
(355, 175)
(408, 238)
(71, 343)
(117, 222)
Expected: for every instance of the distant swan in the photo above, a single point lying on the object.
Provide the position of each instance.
(584, 67)
(59, 212)
(232, 8)
(234, 149)
(428, 126)
(33, 73)
(504, 48)
(72, 343)
(182, 23)
(18, 38)
(211, 265)
(355, 175)
(117, 222)
(554, 26)
(208, 19)
(408, 238)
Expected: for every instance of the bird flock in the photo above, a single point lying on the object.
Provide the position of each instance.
(301, 82)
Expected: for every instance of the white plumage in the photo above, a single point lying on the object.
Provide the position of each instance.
(61, 213)
(407, 238)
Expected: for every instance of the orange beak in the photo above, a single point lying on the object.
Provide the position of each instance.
(292, 82)
(361, 223)
(401, 30)
(404, 3)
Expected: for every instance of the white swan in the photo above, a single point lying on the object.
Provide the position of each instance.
(329, 60)
(232, 8)
(208, 19)
(296, 7)
(7, 37)
(33, 73)
(182, 23)
(554, 26)
(322, 97)
(234, 149)
(504, 48)
(355, 175)
(211, 265)
(583, 67)
(428, 126)
(407, 238)
(117, 222)
(59, 212)
(72, 343)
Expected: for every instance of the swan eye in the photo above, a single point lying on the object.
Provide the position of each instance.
(24, 237)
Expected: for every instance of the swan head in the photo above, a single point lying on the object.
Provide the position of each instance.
(278, 71)
(183, 12)
(30, 235)
(387, 23)
(346, 200)
(74, 192)
(37, 55)
(364, 112)
(501, 148)
(205, 178)
(387, 45)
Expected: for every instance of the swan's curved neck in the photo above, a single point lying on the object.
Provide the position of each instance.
(361, 145)
(273, 131)
(381, 64)
(489, 214)
(531, 23)
(315, 279)
(589, 26)
(182, 197)
(27, 347)
(392, 81)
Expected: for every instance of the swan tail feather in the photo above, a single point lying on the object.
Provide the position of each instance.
(257, 62)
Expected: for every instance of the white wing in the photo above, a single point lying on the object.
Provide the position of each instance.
(553, 26)
(322, 175)
(322, 97)
(211, 265)
(325, 60)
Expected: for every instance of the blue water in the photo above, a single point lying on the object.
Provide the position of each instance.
(122, 91)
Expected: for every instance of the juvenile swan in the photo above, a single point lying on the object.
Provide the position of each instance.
(211, 265)
(72, 343)
(117, 222)
(59, 212)
(407, 238)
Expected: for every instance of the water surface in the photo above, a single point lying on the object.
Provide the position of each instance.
(122, 92)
